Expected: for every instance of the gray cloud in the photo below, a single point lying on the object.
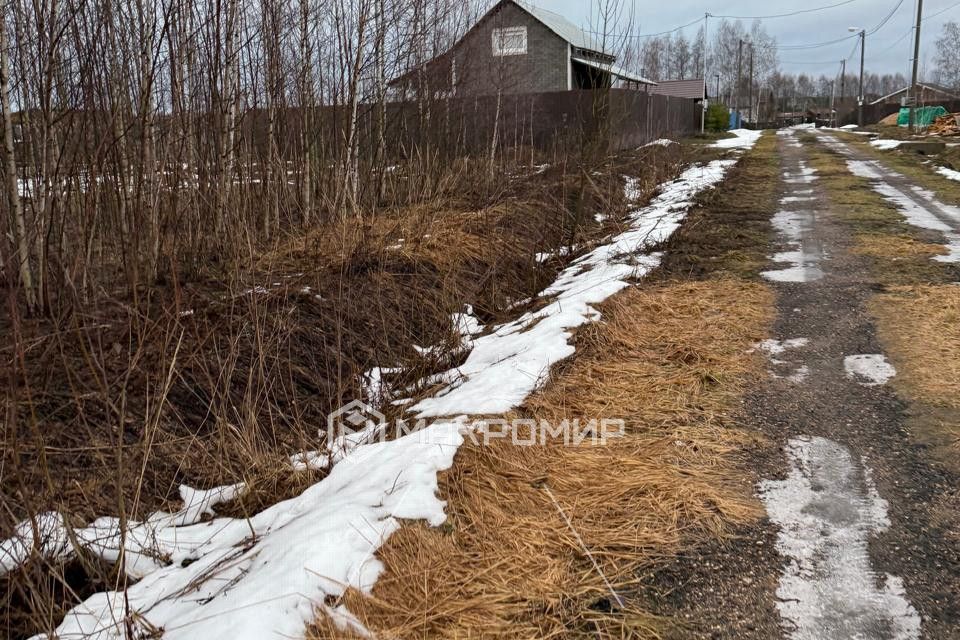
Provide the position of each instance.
(888, 51)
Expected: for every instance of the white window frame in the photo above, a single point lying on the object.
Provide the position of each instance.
(501, 36)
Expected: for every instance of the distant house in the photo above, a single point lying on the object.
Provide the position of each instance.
(929, 93)
(515, 48)
(695, 89)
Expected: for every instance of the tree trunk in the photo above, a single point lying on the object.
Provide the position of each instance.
(10, 169)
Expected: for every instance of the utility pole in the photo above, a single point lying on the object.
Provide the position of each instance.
(703, 112)
(739, 78)
(750, 82)
(843, 81)
(916, 63)
(863, 57)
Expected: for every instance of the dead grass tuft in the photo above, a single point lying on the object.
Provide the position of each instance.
(896, 247)
(671, 361)
(921, 328)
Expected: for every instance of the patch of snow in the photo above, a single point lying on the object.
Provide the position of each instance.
(886, 145)
(744, 139)
(789, 199)
(870, 370)
(146, 544)
(864, 169)
(662, 142)
(509, 363)
(466, 323)
(631, 188)
(805, 175)
(776, 347)
(800, 375)
(849, 127)
(949, 173)
(827, 514)
(915, 213)
(309, 461)
(266, 576)
(799, 272)
(795, 226)
(376, 391)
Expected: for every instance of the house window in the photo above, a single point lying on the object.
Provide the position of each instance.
(511, 41)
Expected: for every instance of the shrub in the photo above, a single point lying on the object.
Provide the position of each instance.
(718, 118)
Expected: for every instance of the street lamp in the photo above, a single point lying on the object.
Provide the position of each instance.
(863, 45)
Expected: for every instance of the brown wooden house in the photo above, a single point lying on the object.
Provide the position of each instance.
(515, 48)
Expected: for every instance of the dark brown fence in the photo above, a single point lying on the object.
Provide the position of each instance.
(613, 119)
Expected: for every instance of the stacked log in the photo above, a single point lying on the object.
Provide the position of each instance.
(948, 125)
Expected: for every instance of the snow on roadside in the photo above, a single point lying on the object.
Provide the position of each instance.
(949, 173)
(508, 364)
(146, 544)
(914, 212)
(662, 142)
(268, 575)
(745, 139)
(827, 512)
(886, 145)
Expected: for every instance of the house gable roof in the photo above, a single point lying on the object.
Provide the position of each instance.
(578, 37)
(936, 88)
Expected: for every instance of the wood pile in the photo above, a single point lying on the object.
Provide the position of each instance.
(948, 125)
(890, 120)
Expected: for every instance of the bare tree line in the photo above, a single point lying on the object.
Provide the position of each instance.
(147, 135)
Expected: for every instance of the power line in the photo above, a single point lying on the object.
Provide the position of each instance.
(886, 19)
(934, 15)
(730, 17)
(654, 35)
(787, 15)
(818, 45)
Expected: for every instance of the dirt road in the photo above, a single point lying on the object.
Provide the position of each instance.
(855, 544)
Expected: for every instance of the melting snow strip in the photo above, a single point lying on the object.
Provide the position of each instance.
(508, 364)
(949, 173)
(266, 576)
(869, 370)
(827, 511)
(912, 208)
(886, 145)
(795, 226)
(744, 139)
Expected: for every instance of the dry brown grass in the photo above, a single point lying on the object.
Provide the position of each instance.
(671, 361)
(920, 327)
(218, 380)
(897, 247)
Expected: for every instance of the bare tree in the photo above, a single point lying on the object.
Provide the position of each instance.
(21, 250)
(948, 56)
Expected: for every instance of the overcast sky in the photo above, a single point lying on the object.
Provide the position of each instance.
(888, 51)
